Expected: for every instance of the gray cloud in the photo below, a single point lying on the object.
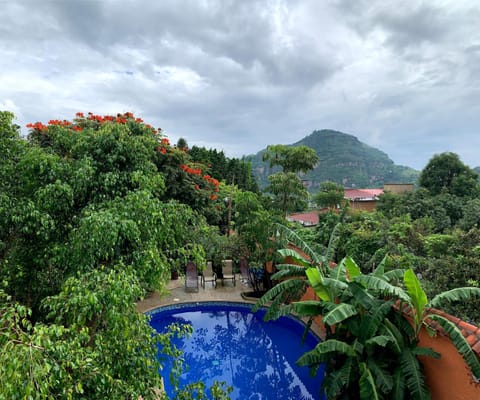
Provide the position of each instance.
(239, 75)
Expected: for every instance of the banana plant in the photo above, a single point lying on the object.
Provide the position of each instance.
(415, 297)
(422, 312)
(370, 350)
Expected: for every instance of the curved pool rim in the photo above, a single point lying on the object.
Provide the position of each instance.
(214, 303)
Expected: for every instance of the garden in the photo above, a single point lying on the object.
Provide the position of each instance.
(98, 211)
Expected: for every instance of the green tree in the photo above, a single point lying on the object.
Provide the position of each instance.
(471, 214)
(288, 191)
(330, 194)
(256, 226)
(94, 345)
(230, 170)
(291, 158)
(88, 222)
(446, 173)
(182, 144)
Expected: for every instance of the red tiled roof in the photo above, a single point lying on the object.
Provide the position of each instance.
(362, 194)
(310, 218)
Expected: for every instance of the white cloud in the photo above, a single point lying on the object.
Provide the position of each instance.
(238, 75)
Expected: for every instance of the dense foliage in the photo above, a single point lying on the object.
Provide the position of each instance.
(370, 350)
(291, 159)
(97, 211)
(285, 187)
(445, 173)
(92, 343)
(232, 170)
(93, 213)
(437, 233)
(329, 195)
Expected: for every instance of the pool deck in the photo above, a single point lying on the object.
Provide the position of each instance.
(176, 293)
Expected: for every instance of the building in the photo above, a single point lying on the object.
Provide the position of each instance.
(362, 199)
(366, 199)
(306, 219)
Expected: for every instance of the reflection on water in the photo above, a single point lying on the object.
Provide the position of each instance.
(256, 358)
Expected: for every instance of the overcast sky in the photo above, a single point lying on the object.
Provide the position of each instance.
(402, 75)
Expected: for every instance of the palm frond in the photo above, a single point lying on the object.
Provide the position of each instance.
(458, 294)
(389, 328)
(426, 352)
(411, 369)
(288, 270)
(316, 281)
(376, 318)
(352, 268)
(339, 272)
(335, 285)
(380, 270)
(404, 326)
(308, 308)
(332, 242)
(398, 388)
(289, 285)
(290, 236)
(340, 313)
(381, 340)
(335, 381)
(417, 295)
(375, 283)
(361, 295)
(383, 378)
(460, 343)
(277, 309)
(295, 255)
(368, 389)
(394, 275)
(323, 351)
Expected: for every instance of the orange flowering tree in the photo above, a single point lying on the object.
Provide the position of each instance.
(97, 191)
(91, 212)
(120, 146)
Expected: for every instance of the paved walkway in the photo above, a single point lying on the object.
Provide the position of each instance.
(176, 293)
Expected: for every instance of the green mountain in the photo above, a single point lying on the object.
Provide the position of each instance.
(342, 159)
(477, 170)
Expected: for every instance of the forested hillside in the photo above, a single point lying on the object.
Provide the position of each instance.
(345, 160)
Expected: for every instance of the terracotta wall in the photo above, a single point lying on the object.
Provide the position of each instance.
(448, 377)
(366, 205)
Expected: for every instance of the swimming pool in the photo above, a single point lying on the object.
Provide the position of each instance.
(232, 344)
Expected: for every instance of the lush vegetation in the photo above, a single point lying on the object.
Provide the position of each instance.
(342, 159)
(370, 349)
(94, 212)
(98, 211)
(287, 189)
(233, 171)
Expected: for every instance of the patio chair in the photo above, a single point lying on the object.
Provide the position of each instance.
(191, 277)
(243, 266)
(228, 273)
(208, 275)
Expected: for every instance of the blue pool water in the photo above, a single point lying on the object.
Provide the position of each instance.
(232, 344)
